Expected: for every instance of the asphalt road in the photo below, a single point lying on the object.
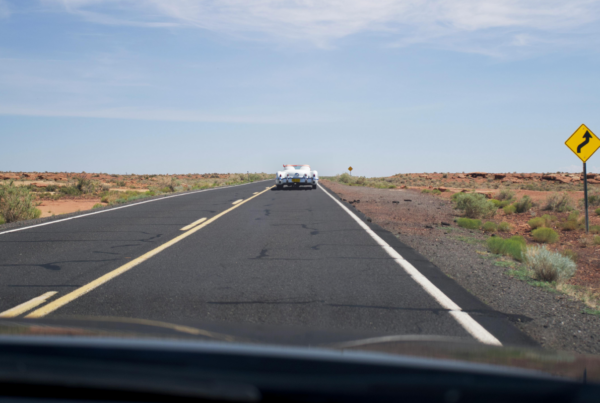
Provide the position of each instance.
(291, 259)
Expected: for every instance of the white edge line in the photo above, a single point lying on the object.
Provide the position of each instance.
(463, 318)
(26, 306)
(120, 207)
(192, 225)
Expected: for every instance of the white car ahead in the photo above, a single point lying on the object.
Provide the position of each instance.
(297, 175)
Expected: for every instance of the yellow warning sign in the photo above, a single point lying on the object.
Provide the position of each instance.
(350, 169)
(583, 143)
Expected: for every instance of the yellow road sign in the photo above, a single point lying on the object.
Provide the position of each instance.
(583, 143)
(350, 169)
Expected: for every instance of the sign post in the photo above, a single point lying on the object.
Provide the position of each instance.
(350, 169)
(584, 144)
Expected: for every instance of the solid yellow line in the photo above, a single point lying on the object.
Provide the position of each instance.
(192, 225)
(237, 201)
(53, 306)
(26, 306)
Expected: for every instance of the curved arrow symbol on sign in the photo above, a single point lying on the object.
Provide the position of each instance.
(587, 136)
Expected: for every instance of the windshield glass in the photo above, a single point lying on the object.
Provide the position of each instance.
(443, 199)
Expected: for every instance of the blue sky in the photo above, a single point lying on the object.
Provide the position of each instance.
(388, 86)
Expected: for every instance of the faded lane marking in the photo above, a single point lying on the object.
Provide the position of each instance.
(26, 306)
(192, 225)
(237, 201)
(53, 306)
(464, 319)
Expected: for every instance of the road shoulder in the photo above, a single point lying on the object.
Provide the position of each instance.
(459, 265)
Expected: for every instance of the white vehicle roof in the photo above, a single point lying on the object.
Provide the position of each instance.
(289, 167)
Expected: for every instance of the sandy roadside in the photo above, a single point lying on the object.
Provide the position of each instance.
(56, 207)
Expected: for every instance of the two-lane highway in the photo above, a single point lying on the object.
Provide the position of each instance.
(239, 255)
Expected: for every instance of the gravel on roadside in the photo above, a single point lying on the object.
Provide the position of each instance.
(426, 223)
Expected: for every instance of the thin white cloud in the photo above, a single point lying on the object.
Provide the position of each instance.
(149, 114)
(510, 23)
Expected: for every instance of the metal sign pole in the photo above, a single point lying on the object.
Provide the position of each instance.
(587, 219)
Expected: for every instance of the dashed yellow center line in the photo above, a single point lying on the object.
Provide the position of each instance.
(237, 201)
(73, 295)
(26, 306)
(192, 225)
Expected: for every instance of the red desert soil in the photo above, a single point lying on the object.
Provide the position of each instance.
(588, 254)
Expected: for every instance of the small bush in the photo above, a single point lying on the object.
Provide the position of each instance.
(536, 222)
(84, 185)
(549, 266)
(70, 190)
(468, 223)
(504, 227)
(518, 238)
(558, 202)
(569, 225)
(97, 205)
(490, 227)
(523, 205)
(495, 244)
(474, 205)
(595, 229)
(16, 203)
(505, 194)
(545, 235)
(513, 247)
(432, 191)
(345, 178)
(2, 220)
(597, 240)
(500, 203)
(573, 216)
(593, 199)
(597, 211)
(549, 219)
(510, 209)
